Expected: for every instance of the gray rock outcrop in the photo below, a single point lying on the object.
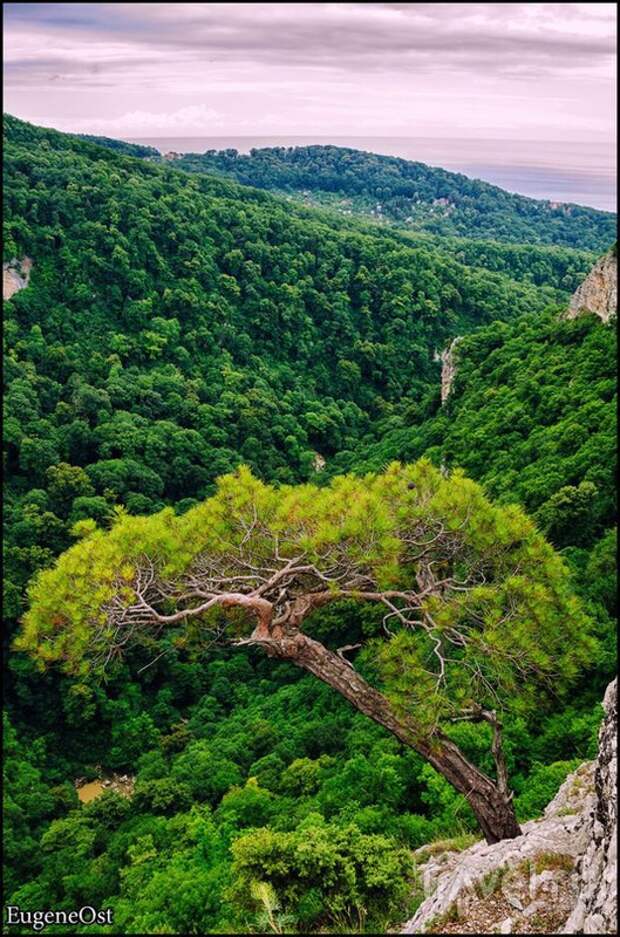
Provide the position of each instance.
(448, 368)
(596, 906)
(599, 291)
(559, 876)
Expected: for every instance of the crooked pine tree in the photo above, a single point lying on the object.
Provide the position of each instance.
(477, 612)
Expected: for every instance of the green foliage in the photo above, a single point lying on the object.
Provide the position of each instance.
(27, 803)
(323, 874)
(542, 785)
(519, 621)
(121, 146)
(601, 571)
(176, 326)
(411, 193)
(532, 415)
(173, 882)
(569, 506)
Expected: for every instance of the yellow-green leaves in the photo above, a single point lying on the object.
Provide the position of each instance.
(476, 600)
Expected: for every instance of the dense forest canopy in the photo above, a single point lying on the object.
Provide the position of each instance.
(174, 327)
(413, 194)
(544, 265)
(532, 414)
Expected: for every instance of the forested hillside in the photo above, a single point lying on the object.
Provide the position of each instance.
(120, 146)
(174, 327)
(561, 267)
(543, 265)
(531, 414)
(415, 195)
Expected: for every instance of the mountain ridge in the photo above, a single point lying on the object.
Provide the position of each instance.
(411, 193)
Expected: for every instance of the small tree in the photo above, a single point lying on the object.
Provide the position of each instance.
(478, 617)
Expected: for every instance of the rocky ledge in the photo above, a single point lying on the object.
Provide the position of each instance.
(596, 905)
(559, 876)
(599, 291)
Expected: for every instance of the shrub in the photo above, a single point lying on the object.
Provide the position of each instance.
(321, 872)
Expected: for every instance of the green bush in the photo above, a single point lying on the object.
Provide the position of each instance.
(541, 786)
(323, 873)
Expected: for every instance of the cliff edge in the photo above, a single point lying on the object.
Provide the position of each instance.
(559, 876)
(599, 291)
(448, 368)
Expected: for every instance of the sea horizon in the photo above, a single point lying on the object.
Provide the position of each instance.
(575, 172)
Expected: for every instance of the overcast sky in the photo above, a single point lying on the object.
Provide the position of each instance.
(539, 71)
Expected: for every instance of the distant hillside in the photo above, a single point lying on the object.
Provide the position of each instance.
(121, 146)
(413, 194)
(563, 268)
(22, 132)
(544, 265)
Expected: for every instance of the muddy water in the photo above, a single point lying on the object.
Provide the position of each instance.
(88, 792)
(118, 783)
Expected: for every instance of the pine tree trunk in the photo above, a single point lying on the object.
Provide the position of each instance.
(492, 807)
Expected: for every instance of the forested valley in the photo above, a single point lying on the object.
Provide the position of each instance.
(179, 326)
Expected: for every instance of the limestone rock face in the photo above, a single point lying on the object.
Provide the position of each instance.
(15, 276)
(559, 876)
(599, 291)
(448, 368)
(595, 910)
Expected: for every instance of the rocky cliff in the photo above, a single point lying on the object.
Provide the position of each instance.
(599, 291)
(559, 876)
(596, 905)
(448, 368)
(15, 276)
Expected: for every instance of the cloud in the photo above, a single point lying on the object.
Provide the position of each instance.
(182, 122)
(437, 37)
(401, 68)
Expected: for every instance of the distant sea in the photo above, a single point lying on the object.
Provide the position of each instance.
(582, 173)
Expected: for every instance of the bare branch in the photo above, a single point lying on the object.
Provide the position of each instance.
(347, 647)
